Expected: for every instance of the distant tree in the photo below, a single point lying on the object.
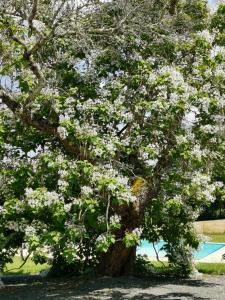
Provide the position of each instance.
(111, 121)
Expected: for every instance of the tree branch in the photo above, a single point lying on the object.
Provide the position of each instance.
(172, 7)
(25, 260)
(39, 123)
(34, 120)
(34, 67)
(32, 15)
(153, 183)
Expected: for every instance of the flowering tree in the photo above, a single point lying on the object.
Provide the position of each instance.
(111, 121)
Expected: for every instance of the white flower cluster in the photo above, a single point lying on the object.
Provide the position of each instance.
(30, 230)
(63, 133)
(101, 219)
(86, 191)
(13, 225)
(148, 159)
(64, 118)
(62, 184)
(174, 97)
(115, 219)
(204, 103)
(181, 139)
(206, 35)
(205, 189)
(200, 179)
(86, 130)
(208, 193)
(218, 50)
(154, 149)
(37, 198)
(88, 105)
(101, 238)
(38, 25)
(97, 152)
(175, 76)
(62, 181)
(203, 238)
(137, 232)
(68, 111)
(198, 152)
(212, 129)
(126, 196)
(76, 201)
(63, 173)
(119, 187)
(110, 146)
(220, 72)
(107, 173)
(67, 207)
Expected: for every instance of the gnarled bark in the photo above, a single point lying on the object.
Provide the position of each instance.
(118, 261)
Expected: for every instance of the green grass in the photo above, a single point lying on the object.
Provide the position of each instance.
(29, 268)
(205, 268)
(216, 238)
(211, 268)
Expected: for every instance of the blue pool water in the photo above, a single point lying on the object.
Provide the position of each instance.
(205, 249)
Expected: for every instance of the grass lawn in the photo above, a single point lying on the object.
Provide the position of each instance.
(216, 238)
(29, 268)
(211, 268)
(205, 268)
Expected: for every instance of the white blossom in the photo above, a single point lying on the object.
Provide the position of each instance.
(64, 117)
(137, 232)
(13, 225)
(205, 34)
(151, 162)
(101, 219)
(101, 238)
(63, 184)
(86, 190)
(62, 132)
(30, 230)
(67, 207)
(115, 219)
(175, 76)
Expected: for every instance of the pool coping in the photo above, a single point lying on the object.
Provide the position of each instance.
(214, 257)
(211, 252)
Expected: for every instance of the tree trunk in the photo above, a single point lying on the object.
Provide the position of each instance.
(118, 261)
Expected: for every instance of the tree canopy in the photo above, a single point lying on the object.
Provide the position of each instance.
(111, 125)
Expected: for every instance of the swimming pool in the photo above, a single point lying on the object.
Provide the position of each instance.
(205, 249)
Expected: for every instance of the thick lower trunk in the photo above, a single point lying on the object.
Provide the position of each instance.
(118, 261)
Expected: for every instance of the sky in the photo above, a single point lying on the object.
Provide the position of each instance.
(212, 2)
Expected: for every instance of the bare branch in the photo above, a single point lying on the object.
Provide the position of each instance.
(32, 14)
